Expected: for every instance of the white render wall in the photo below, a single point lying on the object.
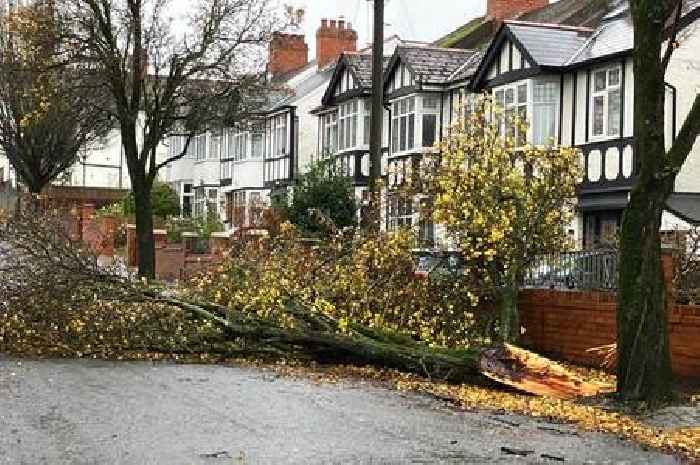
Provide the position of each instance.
(684, 73)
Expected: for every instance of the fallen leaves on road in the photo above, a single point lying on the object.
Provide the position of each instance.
(685, 441)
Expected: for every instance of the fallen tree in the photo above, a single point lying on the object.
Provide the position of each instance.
(47, 277)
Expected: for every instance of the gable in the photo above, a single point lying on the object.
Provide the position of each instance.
(400, 76)
(343, 80)
(505, 55)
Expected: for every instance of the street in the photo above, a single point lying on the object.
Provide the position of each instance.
(106, 413)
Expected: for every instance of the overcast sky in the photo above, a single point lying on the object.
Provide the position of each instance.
(424, 20)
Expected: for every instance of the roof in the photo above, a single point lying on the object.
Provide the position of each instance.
(361, 65)
(297, 86)
(547, 44)
(686, 206)
(432, 64)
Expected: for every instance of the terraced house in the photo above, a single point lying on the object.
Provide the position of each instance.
(575, 86)
(566, 67)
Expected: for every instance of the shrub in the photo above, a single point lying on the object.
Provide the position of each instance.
(322, 190)
(165, 201)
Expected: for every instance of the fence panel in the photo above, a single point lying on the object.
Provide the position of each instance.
(574, 270)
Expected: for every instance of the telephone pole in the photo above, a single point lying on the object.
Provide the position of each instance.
(377, 117)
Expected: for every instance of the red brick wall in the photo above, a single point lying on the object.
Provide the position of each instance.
(332, 39)
(566, 324)
(505, 9)
(288, 52)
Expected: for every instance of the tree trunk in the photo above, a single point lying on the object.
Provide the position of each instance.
(510, 319)
(144, 229)
(644, 362)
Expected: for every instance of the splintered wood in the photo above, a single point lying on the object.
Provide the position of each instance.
(535, 374)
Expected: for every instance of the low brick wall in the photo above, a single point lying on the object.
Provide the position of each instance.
(566, 323)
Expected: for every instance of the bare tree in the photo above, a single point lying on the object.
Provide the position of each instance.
(46, 118)
(644, 362)
(163, 81)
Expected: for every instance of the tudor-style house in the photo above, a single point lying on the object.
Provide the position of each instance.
(422, 88)
(575, 87)
(344, 118)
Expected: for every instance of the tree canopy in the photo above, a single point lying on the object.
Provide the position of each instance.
(502, 202)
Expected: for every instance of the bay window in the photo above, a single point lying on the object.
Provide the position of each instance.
(239, 208)
(403, 125)
(226, 170)
(347, 125)
(606, 102)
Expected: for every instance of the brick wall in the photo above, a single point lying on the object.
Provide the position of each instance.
(288, 52)
(565, 324)
(506, 9)
(332, 39)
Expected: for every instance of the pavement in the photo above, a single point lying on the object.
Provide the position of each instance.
(83, 412)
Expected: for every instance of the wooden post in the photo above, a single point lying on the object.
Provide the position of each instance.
(377, 118)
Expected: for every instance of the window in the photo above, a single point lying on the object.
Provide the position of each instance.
(513, 101)
(403, 125)
(330, 133)
(279, 132)
(177, 143)
(431, 105)
(257, 145)
(200, 146)
(400, 212)
(347, 125)
(606, 102)
(239, 208)
(367, 118)
(240, 146)
(255, 208)
(215, 146)
(544, 112)
(226, 170)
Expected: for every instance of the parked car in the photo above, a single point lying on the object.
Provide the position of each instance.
(431, 262)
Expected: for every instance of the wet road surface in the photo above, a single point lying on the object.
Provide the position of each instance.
(104, 413)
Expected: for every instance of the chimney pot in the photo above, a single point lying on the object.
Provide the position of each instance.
(324, 23)
(331, 41)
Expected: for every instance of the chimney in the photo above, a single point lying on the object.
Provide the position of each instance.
(501, 10)
(288, 52)
(332, 39)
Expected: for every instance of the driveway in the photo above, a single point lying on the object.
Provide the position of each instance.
(104, 413)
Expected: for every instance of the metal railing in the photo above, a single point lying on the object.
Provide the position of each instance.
(586, 270)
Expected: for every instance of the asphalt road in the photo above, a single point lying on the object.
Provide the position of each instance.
(103, 413)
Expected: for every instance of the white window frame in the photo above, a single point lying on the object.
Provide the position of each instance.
(240, 146)
(604, 93)
(200, 147)
(330, 134)
(348, 117)
(280, 139)
(401, 212)
(526, 108)
(429, 111)
(402, 110)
